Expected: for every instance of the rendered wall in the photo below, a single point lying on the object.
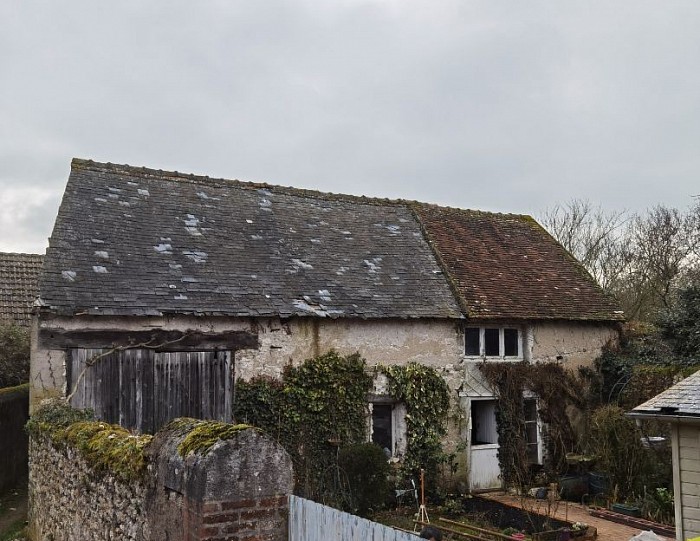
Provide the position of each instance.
(436, 343)
(573, 344)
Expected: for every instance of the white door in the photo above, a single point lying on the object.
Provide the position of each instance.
(484, 471)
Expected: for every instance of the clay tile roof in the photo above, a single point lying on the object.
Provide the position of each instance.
(135, 241)
(19, 286)
(681, 399)
(508, 266)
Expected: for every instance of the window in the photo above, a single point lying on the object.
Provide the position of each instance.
(492, 342)
(388, 427)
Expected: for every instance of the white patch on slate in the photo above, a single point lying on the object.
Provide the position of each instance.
(163, 248)
(196, 256)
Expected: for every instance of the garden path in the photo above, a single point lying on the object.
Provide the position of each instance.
(573, 512)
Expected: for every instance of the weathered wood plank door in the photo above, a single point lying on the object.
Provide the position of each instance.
(192, 384)
(142, 390)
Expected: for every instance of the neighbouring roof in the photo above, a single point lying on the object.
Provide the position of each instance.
(133, 241)
(136, 241)
(19, 286)
(683, 399)
(508, 266)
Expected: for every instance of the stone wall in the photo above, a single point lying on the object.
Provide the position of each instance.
(14, 412)
(226, 484)
(69, 501)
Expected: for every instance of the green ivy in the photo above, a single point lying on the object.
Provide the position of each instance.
(315, 409)
(427, 399)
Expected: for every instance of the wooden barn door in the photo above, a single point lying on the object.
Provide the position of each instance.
(142, 390)
(192, 384)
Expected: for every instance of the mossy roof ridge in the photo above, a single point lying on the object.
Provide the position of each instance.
(205, 180)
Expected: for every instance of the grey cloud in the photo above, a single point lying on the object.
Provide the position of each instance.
(509, 106)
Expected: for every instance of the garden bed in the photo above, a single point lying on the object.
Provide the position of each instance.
(481, 512)
(502, 516)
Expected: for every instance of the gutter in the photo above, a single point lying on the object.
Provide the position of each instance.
(665, 417)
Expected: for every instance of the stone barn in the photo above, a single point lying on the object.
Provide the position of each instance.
(181, 284)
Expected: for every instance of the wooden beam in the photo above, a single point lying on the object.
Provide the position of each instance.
(156, 339)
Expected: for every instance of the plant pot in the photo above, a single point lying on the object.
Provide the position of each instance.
(629, 510)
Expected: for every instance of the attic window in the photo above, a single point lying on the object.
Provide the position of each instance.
(499, 342)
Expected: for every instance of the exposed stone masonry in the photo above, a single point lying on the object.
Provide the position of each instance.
(69, 501)
(235, 490)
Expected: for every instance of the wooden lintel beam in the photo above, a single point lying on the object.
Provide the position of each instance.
(159, 340)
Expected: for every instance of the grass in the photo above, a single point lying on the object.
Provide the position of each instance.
(13, 519)
(15, 531)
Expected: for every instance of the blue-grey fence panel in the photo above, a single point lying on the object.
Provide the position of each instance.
(311, 521)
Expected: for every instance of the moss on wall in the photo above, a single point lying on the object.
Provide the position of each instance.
(204, 434)
(107, 448)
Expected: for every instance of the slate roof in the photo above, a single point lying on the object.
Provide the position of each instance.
(19, 286)
(507, 266)
(683, 399)
(134, 241)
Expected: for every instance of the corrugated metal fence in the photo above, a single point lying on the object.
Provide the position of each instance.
(311, 521)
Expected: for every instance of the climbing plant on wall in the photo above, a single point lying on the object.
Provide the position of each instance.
(321, 406)
(558, 391)
(426, 396)
(316, 408)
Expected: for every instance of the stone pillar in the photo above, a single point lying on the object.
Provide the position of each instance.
(234, 491)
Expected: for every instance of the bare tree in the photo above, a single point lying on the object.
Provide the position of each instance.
(642, 259)
(594, 236)
(665, 244)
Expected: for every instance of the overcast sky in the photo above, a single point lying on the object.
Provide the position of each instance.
(505, 106)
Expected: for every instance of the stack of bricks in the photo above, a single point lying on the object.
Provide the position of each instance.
(263, 519)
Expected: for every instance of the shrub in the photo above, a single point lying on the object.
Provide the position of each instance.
(616, 441)
(367, 469)
(316, 407)
(14, 355)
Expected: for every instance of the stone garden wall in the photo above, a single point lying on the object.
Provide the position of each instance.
(194, 481)
(69, 501)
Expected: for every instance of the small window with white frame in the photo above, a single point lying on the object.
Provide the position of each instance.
(388, 426)
(497, 342)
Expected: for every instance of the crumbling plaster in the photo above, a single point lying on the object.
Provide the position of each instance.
(433, 342)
